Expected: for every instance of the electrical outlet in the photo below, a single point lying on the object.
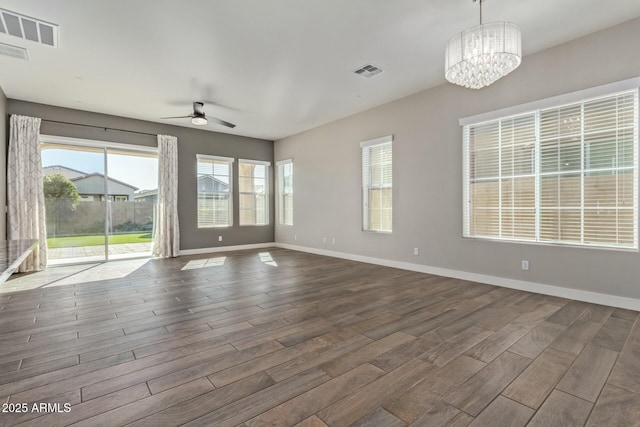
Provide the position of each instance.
(219, 238)
(324, 240)
(295, 237)
(525, 265)
(416, 251)
(333, 241)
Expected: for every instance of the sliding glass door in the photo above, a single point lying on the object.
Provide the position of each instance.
(100, 200)
(130, 213)
(73, 182)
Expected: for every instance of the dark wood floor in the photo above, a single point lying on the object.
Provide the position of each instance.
(278, 337)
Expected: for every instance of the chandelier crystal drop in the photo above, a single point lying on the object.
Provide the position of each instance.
(482, 54)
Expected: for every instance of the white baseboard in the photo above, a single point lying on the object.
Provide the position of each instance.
(225, 248)
(540, 288)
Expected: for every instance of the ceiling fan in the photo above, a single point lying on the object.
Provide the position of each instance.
(199, 118)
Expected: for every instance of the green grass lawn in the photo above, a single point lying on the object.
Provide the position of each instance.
(114, 239)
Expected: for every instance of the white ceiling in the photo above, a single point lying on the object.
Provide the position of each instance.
(275, 67)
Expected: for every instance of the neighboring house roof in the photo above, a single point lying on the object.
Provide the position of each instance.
(102, 176)
(208, 179)
(145, 193)
(69, 173)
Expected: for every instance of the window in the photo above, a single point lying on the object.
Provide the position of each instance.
(565, 174)
(285, 192)
(109, 197)
(215, 204)
(254, 192)
(377, 184)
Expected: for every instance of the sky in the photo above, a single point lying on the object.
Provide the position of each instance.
(141, 172)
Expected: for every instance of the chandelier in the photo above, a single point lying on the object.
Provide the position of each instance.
(482, 54)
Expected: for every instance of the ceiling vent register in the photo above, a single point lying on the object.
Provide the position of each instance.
(14, 51)
(28, 28)
(368, 71)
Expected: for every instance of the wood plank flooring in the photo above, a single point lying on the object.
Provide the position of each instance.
(278, 337)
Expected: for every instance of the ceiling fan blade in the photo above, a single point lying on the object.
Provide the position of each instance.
(205, 102)
(220, 122)
(198, 108)
(178, 117)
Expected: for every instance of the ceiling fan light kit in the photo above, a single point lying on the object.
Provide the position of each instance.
(479, 56)
(200, 121)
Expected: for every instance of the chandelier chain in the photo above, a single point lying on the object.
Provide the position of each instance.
(480, 4)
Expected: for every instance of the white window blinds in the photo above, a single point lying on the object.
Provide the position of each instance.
(377, 184)
(253, 188)
(563, 175)
(215, 204)
(285, 192)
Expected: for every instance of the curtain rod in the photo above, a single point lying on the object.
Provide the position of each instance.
(97, 127)
(100, 127)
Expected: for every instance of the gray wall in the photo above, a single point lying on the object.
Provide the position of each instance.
(190, 143)
(4, 135)
(427, 174)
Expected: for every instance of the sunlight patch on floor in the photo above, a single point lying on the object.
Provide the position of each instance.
(266, 258)
(72, 274)
(205, 263)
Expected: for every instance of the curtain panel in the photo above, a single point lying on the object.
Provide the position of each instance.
(25, 196)
(166, 231)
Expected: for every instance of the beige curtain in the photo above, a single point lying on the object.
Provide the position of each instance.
(166, 231)
(25, 197)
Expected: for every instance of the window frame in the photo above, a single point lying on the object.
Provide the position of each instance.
(219, 159)
(579, 99)
(280, 166)
(365, 186)
(267, 192)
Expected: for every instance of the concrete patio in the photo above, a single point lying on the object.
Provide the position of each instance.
(86, 253)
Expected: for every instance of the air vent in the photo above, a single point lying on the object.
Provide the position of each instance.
(368, 71)
(13, 51)
(28, 28)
